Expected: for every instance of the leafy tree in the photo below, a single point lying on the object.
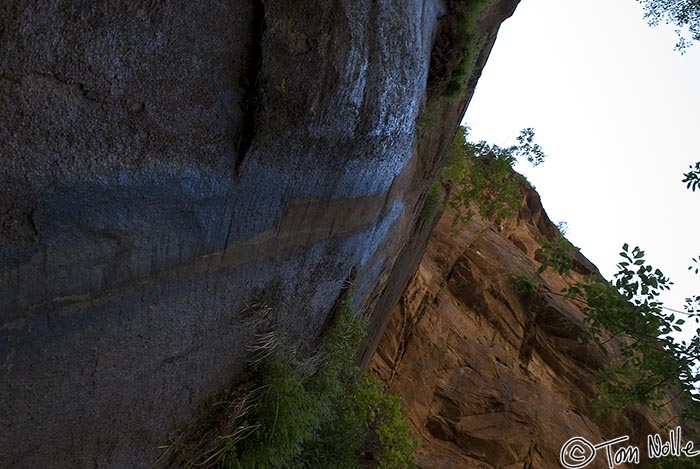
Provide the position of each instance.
(654, 365)
(556, 254)
(482, 173)
(684, 14)
(692, 177)
(696, 264)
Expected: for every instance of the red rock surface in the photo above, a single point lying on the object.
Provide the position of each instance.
(489, 377)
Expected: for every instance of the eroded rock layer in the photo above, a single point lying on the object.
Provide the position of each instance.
(490, 377)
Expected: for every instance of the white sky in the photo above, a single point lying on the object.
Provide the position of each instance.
(617, 111)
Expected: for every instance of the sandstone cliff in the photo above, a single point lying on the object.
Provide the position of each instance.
(492, 378)
(166, 163)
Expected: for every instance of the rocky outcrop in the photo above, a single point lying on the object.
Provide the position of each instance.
(491, 377)
(167, 163)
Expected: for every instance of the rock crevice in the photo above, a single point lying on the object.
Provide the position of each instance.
(164, 164)
(491, 377)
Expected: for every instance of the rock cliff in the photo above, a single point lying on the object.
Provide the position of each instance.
(164, 164)
(490, 377)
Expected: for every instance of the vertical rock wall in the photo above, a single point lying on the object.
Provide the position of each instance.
(490, 377)
(165, 163)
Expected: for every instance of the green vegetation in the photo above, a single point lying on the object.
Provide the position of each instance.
(685, 14)
(524, 284)
(454, 56)
(482, 174)
(433, 201)
(695, 265)
(688, 354)
(654, 368)
(675, 462)
(653, 364)
(319, 412)
(556, 254)
(692, 177)
(462, 41)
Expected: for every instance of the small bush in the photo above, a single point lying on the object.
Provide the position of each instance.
(524, 283)
(393, 430)
(557, 254)
(321, 412)
(432, 203)
(287, 415)
(675, 462)
(457, 48)
(482, 174)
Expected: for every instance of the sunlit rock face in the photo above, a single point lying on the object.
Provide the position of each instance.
(490, 377)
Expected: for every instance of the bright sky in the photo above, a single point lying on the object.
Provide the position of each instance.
(617, 111)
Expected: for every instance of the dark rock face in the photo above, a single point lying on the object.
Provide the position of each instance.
(163, 165)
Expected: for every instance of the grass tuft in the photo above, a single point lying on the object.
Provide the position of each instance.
(318, 412)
